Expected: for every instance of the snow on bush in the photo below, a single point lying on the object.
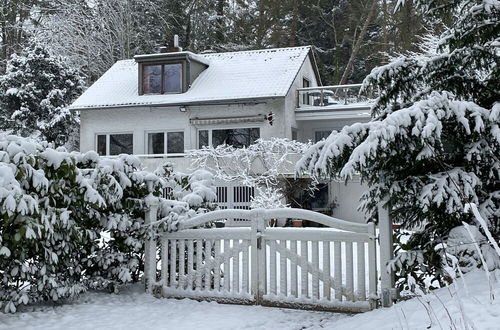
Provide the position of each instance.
(262, 165)
(185, 195)
(70, 221)
(461, 244)
(35, 93)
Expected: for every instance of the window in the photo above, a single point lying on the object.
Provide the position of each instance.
(320, 198)
(236, 137)
(165, 143)
(151, 79)
(305, 97)
(101, 145)
(114, 144)
(162, 78)
(320, 135)
(203, 138)
(156, 143)
(175, 142)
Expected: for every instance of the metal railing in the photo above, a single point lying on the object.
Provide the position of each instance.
(331, 96)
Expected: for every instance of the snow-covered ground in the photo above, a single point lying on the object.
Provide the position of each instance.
(133, 309)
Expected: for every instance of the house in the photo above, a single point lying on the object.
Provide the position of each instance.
(156, 106)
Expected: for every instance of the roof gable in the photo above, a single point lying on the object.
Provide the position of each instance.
(230, 76)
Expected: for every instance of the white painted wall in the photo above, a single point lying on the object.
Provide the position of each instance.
(347, 198)
(307, 128)
(141, 120)
(306, 71)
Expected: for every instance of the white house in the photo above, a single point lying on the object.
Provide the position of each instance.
(157, 106)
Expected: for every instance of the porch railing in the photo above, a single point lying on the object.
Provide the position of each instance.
(331, 96)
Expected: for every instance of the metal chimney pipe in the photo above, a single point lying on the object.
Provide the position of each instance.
(176, 41)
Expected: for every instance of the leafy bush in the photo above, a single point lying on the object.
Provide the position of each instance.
(73, 221)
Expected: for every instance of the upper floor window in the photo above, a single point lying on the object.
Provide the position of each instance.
(162, 78)
(114, 144)
(305, 83)
(236, 137)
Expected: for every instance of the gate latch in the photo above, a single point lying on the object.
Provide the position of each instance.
(259, 240)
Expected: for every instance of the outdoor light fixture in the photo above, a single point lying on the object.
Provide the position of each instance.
(182, 108)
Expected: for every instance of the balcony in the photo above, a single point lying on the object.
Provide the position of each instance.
(333, 102)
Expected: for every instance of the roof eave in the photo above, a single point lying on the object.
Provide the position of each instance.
(173, 104)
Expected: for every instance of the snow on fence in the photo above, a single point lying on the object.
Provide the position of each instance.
(331, 268)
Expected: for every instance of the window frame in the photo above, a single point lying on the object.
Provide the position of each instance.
(322, 130)
(165, 141)
(305, 97)
(212, 128)
(162, 87)
(108, 140)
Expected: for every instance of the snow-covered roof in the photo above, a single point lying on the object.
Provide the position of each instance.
(230, 76)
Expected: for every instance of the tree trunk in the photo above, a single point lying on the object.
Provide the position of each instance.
(293, 25)
(357, 45)
(219, 34)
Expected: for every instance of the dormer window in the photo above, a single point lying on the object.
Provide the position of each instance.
(162, 78)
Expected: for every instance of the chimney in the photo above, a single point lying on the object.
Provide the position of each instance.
(176, 41)
(175, 48)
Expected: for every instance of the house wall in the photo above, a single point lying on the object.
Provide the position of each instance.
(306, 71)
(347, 197)
(308, 128)
(140, 120)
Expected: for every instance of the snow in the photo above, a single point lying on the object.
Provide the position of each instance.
(133, 309)
(232, 75)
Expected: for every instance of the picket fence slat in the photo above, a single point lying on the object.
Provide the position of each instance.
(190, 258)
(293, 269)
(217, 265)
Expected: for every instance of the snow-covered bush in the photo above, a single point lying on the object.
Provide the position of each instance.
(71, 221)
(185, 195)
(433, 144)
(263, 165)
(35, 93)
(461, 244)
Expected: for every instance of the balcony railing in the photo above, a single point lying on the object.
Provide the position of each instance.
(333, 96)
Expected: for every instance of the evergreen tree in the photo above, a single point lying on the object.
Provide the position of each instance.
(434, 142)
(35, 93)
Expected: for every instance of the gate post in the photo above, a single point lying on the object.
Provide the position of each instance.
(386, 253)
(258, 261)
(150, 217)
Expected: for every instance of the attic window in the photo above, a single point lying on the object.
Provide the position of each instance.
(162, 78)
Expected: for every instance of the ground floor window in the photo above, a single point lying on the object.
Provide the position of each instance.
(236, 137)
(165, 143)
(320, 135)
(114, 144)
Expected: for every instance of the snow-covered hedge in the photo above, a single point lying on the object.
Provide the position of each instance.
(71, 221)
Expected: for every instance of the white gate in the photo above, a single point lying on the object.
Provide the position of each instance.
(331, 268)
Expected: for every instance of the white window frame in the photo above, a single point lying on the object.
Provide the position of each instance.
(165, 141)
(211, 128)
(108, 141)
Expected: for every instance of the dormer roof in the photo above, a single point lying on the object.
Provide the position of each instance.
(231, 76)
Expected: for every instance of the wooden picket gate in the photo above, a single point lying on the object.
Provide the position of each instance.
(328, 268)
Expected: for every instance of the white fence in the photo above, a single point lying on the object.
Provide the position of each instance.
(331, 268)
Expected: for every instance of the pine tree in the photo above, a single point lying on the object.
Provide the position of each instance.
(434, 142)
(35, 93)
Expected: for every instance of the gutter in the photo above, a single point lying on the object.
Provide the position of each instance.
(249, 101)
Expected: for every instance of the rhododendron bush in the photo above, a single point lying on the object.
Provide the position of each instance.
(72, 221)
